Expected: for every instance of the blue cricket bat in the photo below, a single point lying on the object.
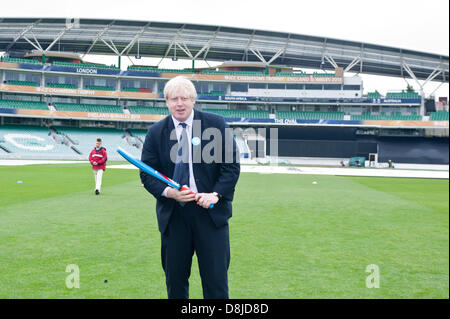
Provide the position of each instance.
(149, 170)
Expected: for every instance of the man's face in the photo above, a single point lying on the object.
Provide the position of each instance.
(98, 144)
(180, 106)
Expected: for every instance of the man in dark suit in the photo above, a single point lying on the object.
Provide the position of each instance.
(196, 149)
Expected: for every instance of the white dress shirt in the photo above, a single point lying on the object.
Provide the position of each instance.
(178, 130)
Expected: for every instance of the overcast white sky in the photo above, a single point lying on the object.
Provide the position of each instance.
(421, 25)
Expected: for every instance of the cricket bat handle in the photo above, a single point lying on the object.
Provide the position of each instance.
(183, 188)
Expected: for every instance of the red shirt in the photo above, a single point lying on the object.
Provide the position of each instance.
(99, 156)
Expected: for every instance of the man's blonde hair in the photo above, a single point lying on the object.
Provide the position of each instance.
(180, 86)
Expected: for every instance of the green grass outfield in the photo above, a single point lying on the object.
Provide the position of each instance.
(289, 238)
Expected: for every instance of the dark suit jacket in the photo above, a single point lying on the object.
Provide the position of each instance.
(218, 176)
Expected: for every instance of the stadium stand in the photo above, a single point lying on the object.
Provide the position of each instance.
(374, 95)
(150, 69)
(85, 65)
(292, 74)
(239, 113)
(324, 75)
(310, 115)
(390, 117)
(88, 108)
(32, 142)
(138, 133)
(16, 60)
(23, 83)
(232, 72)
(439, 116)
(402, 95)
(84, 139)
(99, 88)
(133, 89)
(148, 110)
(61, 85)
(13, 104)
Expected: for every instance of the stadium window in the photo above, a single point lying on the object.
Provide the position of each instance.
(257, 85)
(239, 87)
(222, 87)
(20, 97)
(29, 77)
(90, 81)
(277, 86)
(352, 87)
(332, 86)
(61, 79)
(295, 86)
(313, 86)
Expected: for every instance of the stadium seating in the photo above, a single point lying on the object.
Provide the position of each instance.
(292, 74)
(24, 83)
(239, 113)
(32, 142)
(150, 69)
(439, 116)
(373, 95)
(310, 115)
(88, 108)
(16, 60)
(212, 93)
(226, 72)
(99, 88)
(132, 89)
(389, 117)
(402, 95)
(84, 139)
(61, 85)
(85, 65)
(138, 133)
(148, 110)
(12, 104)
(323, 75)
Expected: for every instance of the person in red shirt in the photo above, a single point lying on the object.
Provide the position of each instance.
(98, 158)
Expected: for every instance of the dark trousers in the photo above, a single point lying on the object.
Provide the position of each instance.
(191, 229)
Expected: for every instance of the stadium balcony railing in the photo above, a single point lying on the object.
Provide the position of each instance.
(305, 115)
(239, 113)
(252, 73)
(85, 65)
(13, 104)
(387, 117)
(23, 83)
(61, 85)
(148, 110)
(16, 60)
(150, 69)
(439, 116)
(88, 108)
(402, 95)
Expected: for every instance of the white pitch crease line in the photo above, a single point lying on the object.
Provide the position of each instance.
(368, 172)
